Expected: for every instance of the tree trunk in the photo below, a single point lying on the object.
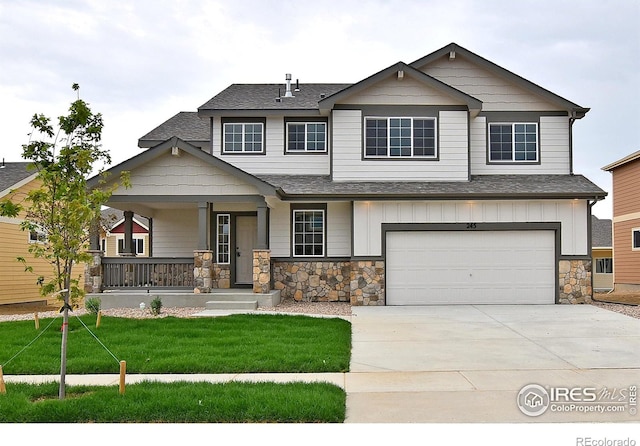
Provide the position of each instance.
(63, 349)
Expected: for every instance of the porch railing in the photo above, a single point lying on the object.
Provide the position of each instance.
(147, 272)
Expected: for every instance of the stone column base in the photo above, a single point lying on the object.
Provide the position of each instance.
(575, 281)
(93, 272)
(261, 271)
(202, 271)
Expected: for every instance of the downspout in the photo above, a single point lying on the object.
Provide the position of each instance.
(572, 119)
(590, 205)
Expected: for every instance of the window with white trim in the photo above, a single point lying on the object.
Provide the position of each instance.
(604, 265)
(37, 236)
(222, 234)
(400, 138)
(513, 142)
(308, 233)
(138, 245)
(243, 137)
(635, 239)
(306, 137)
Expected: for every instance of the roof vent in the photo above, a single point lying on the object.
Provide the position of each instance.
(288, 93)
(297, 85)
(322, 95)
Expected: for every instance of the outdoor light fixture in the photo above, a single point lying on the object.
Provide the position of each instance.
(142, 305)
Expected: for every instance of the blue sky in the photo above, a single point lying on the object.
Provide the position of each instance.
(139, 63)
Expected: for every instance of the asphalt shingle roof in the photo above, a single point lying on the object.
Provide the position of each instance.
(263, 97)
(12, 173)
(185, 125)
(480, 186)
(601, 232)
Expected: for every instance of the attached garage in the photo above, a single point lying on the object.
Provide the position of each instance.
(439, 267)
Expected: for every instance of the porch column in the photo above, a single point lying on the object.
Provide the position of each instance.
(94, 236)
(128, 235)
(93, 272)
(261, 271)
(262, 225)
(203, 226)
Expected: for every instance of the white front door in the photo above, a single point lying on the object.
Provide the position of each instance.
(246, 241)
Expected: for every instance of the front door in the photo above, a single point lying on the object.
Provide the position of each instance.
(246, 241)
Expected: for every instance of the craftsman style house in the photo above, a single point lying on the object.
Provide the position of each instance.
(448, 180)
(626, 222)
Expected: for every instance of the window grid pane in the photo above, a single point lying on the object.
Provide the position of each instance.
(243, 137)
(308, 236)
(513, 142)
(376, 137)
(424, 137)
(223, 238)
(296, 137)
(400, 137)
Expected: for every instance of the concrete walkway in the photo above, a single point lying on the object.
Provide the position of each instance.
(450, 364)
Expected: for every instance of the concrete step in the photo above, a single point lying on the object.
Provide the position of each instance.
(231, 304)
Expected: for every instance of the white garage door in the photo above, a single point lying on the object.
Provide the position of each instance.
(470, 267)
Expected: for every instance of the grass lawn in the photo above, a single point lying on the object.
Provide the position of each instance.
(232, 344)
(181, 402)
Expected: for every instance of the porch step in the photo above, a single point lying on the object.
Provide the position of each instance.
(232, 302)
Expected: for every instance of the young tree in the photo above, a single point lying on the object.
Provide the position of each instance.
(63, 209)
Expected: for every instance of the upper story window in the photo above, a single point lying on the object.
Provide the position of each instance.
(37, 236)
(306, 137)
(243, 137)
(138, 246)
(400, 137)
(513, 142)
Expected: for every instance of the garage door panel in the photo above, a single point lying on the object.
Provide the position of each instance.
(475, 267)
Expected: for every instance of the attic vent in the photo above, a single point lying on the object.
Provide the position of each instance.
(322, 95)
(452, 55)
(288, 94)
(175, 151)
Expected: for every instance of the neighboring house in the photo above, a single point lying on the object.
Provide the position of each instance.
(16, 284)
(602, 253)
(448, 180)
(626, 222)
(112, 241)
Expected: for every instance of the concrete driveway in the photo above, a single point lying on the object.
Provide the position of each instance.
(468, 363)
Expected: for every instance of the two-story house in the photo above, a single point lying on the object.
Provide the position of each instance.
(448, 180)
(626, 222)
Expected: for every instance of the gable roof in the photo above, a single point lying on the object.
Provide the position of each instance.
(175, 142)
(185, 125)
(112, 217)
(12, 175)
(473, 103)
(601, 236)
(240, 98)
(627, 159)
(576, 110)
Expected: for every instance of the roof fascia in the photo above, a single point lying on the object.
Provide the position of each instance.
(19, 184)
(474, 104)
(439, 197)
(575, 110)
(627, 159)
(258, 113)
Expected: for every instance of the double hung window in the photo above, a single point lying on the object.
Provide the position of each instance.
(306, 137)
(308, 233)
(400, 138)
(243, 137)
(513, 142)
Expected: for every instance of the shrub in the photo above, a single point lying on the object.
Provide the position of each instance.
(156, 305)
(92, 304)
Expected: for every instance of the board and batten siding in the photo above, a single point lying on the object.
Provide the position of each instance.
(496, 93)
(275, 160)
(369, 216)
(338, 229)
(553, 145)
(349, 165)
(183, 175)
(175, 234)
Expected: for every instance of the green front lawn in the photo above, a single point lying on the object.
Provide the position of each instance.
(232, 344)
(181, 402)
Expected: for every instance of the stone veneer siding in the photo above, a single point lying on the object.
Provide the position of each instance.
(313, 281)
(93, 273)
(357, 282)
(261, 271)
(202, 271)
(221, 276)
(575, 281)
